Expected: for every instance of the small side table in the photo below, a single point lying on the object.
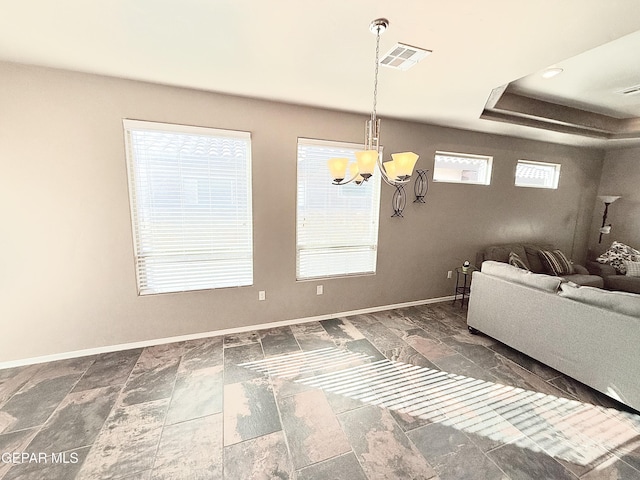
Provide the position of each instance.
(463, 285)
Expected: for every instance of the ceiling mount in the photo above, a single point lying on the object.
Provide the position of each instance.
(379, 25)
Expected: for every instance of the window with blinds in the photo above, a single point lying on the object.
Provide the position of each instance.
(462, 168)
(190, 193)
(337, 226)
(537, 174)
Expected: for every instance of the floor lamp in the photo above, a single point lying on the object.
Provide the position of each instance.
(608, 200)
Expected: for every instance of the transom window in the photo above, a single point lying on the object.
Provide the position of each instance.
(190, 193)
(462, 168)
(336, 226)
(537, 174)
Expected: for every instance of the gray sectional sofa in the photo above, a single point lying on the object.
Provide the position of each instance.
(528, 252)
(587, 333)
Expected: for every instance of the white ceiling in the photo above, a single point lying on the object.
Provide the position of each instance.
(321, 53)
(592, 80)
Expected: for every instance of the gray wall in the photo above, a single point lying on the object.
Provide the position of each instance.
(620, 176)
(66, 262)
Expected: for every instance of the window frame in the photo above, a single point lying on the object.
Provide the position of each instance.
(150, 251)
(473, 156)
(556, 175)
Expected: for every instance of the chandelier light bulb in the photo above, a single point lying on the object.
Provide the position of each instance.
(338, 168)
(390, 169)
(404, 163)
(367, 160)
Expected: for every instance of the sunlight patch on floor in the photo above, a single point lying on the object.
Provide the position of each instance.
(566, 429)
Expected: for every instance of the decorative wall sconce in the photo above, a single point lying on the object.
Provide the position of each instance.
(608, 200)
(421, 187)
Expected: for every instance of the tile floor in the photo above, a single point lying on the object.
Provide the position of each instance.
(400, 394)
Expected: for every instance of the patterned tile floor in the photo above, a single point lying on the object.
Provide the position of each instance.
(400, 394)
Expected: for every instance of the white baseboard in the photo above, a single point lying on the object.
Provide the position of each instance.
(195, 336)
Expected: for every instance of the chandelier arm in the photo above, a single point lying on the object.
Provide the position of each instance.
(344, 182)
(385, 177)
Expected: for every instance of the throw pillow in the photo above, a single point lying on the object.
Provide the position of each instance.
(633, 268)
(533, 259)
(516, 261)
(616, 255)
(555, 262)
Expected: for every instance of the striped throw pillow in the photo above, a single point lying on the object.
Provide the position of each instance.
(555, 262)
(633, 268)
(516, 261)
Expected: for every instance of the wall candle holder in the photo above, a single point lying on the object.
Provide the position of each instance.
(399, 201)
(421, 187)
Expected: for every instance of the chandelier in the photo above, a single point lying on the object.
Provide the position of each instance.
(398, 171)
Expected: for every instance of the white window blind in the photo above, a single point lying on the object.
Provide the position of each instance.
(190, 192)
(337, 226)
(537, 174)
(462, 168)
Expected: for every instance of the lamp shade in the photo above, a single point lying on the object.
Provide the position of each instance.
(608, 198)
(404, 163)
(390, 169)
(338, 168)
(367, 160)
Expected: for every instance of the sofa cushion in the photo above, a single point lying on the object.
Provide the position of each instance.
(585, 280)
(621, 302)
(555, 262)
(517, 261)
(622, 283)
(580, 270)
(533, 259)
(602, 269)
(616, 254)
(523, 277)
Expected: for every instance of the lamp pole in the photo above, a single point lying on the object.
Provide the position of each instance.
(604, 219)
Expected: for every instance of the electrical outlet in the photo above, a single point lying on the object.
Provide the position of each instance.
(450, 274)
(262, 295)
(319, 290)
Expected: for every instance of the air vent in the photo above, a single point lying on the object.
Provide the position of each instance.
(630, 91)
(403, 57)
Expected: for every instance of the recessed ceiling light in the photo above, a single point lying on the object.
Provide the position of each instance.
(551, 72)
(635, 90)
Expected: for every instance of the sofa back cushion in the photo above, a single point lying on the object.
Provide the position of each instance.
(621, 302)
(522, 277)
